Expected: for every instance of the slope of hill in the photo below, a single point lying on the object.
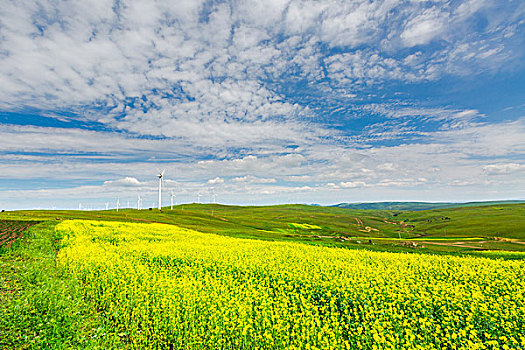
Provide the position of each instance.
(450, 230)
(419, 205)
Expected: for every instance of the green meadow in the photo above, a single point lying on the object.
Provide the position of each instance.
(459, 230)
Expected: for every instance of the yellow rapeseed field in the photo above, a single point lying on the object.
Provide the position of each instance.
(160, 286)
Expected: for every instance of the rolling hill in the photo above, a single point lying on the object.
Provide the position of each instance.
(458, 230)
(419, 205)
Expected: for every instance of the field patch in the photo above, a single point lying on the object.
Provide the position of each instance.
(161, 286)
(11, 230)
(304, 226)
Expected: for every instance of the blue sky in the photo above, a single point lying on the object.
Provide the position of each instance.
(261, 102)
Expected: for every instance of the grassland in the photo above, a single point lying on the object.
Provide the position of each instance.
(45, 305)
(465, 230)
(41, 304)
(416, 206)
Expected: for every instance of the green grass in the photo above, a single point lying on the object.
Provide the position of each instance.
(41, 307)
(506, 221)
(413, 206)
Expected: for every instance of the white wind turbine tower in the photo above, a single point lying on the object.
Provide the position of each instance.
(213, 197)
(213, 194)
(107, 205)
(139, 202)
(118, 203)
(160, 175)
(172, 196)
(199, 197)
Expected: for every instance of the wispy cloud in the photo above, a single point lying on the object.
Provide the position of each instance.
(503, 168)
(127, 181)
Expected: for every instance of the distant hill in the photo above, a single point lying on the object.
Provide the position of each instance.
(419, 205)
(464, 228)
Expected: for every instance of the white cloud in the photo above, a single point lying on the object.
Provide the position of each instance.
(352, 184)
(127, 181)
(424, 27)
(407, 183)
(467, 114)
(253, 179)
(470, 7)
(73, 55)
(461, 183)
(387, 167)
(216, 181)
(503, 168)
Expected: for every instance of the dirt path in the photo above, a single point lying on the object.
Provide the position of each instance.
(456, 244)
(359, 222)
(369, 229)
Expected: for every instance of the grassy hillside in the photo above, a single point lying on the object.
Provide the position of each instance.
(451, 230)
(506, 221)
(413, 206)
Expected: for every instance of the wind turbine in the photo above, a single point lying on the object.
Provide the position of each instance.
(213, 198)
(199, 197)
(160, 175)
(107, 205)
(213, 194)
(118, 203)
(172, 195)
(139, 202)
